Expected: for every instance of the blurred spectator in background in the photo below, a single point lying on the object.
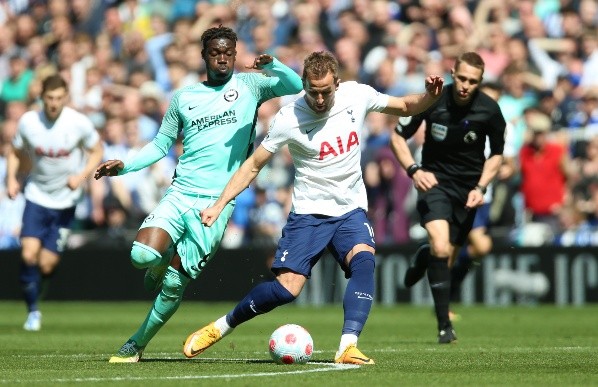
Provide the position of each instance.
(544, 172)
(543, 53)
(11, 210)
(15, 86)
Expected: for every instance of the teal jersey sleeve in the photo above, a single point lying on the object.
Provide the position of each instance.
(161, 144)
(283, 80)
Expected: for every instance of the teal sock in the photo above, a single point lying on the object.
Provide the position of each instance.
(166, 303)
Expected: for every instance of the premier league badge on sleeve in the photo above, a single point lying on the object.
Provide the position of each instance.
(439, 132)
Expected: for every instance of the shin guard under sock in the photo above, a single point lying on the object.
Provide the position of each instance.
(30, 279)
(261, 299)
(359, 294)
(439, 278)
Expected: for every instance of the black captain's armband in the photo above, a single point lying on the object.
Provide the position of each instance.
(412, 169)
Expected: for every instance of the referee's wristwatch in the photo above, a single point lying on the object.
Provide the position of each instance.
(481, 188)
(412, 169)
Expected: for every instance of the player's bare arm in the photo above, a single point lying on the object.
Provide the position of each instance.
(413, 104)
(93, 158)
(422, 180)
(260, 61)
(13, 160)
(475, 198)
(237, 183)
(109, 168)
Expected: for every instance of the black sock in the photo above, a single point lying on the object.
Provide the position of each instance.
(458, 273)
(439, 278)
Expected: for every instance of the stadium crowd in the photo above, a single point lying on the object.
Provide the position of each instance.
(123, 60)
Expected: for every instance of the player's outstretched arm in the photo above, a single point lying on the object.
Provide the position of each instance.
(237, 183)
(413, 104)
(285, 80)
(109, 168)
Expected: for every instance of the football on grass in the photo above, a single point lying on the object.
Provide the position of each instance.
(291, 344)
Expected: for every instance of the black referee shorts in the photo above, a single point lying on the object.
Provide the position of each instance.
(448, 204)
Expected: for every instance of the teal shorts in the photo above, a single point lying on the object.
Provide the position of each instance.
(178, 214)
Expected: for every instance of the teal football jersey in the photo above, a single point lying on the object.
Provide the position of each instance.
(218, 125)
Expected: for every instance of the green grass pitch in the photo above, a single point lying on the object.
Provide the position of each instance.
(514, 346)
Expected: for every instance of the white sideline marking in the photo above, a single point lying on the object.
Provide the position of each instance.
(178, 355)
(324, 367)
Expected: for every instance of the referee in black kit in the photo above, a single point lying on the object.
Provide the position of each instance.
(453, 176)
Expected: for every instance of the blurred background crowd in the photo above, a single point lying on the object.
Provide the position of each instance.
(123, 60)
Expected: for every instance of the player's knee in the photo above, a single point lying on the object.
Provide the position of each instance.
(143, 256)
(363, 261)
(171, 295)
(30, 256)
(481, 246)
(174, 283)
(441, 249)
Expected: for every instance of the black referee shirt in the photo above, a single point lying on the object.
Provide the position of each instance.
(456, 136)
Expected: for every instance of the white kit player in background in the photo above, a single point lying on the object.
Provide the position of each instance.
(323, 131)
(56, 140)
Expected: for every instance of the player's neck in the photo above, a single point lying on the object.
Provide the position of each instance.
(212, 82)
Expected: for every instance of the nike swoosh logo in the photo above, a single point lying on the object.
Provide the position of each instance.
(194, 352)
(363, 359)
(191, 108)
(309, 131)
(438, 285)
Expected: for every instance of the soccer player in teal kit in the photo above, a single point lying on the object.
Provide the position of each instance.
(217, 118)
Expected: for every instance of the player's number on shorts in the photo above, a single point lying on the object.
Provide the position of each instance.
(370, 230)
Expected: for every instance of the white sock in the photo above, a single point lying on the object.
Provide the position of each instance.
(346, 340)
(223, 326)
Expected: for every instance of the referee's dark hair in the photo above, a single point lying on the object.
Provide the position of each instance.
(472, 59)
(219, 32)
(53, 82)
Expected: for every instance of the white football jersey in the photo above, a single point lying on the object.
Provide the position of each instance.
(56, 152)
(326, 149)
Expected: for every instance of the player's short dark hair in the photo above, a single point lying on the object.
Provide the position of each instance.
(219, 32)
(318, 64)
(53, 82)
(472, 59)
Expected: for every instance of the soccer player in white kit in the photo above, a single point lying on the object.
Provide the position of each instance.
(323, 131)
(56, 139)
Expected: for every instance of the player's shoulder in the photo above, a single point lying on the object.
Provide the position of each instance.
(349, 86)
(75, 116)
(30, 115)
(486, 101)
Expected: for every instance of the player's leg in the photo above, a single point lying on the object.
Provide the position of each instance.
(261, 299)
(58, 223)
(165, 305)
(439, 274)
(44, 238)
(479, 245)
(298, 250)
(418, 265)
(157, 233)
(30, 279)
(353, 246)
(153, 248)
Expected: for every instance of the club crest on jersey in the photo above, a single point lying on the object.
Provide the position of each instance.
(470, 137)
(231, 95)
(439, 132)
